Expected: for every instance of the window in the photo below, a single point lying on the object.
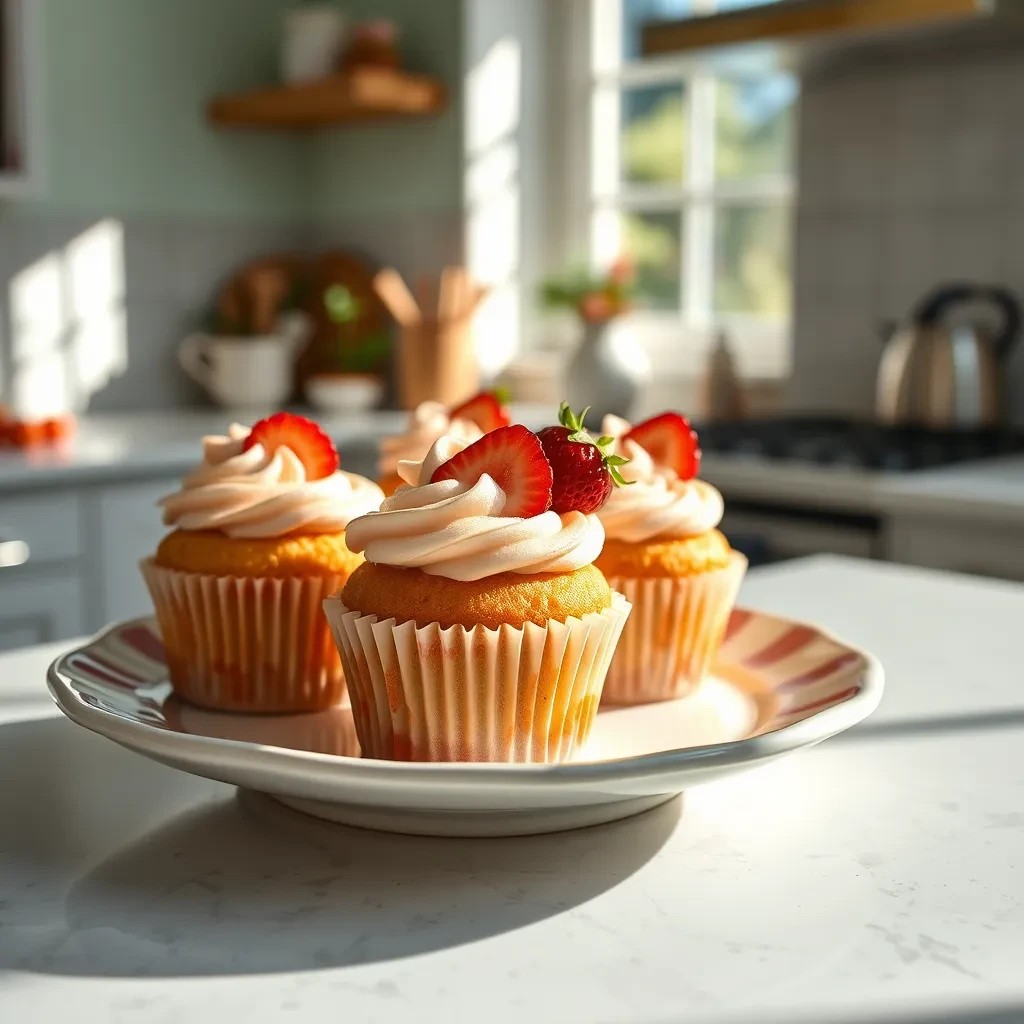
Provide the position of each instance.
(690, 170)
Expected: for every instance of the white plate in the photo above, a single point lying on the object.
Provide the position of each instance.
(778, 686)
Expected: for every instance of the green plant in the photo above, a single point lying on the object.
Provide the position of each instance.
(596, 297)
(365, 354)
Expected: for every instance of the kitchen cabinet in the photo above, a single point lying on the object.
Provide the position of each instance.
(39, 606)
(128, 527)
(77, 553)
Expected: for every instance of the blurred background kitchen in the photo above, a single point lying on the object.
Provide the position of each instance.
(800, 222)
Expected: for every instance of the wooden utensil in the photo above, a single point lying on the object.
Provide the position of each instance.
(425, 295)
(396, 297)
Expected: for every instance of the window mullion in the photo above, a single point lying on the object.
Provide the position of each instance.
(698, 264)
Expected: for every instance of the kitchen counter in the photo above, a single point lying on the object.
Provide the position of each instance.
(991, 489)
(128, 446)
(149, 445)
(877, 877)
(986, 488)
(136, 445)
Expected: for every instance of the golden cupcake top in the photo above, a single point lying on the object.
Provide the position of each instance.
(280, 477)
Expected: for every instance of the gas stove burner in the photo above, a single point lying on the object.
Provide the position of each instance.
(856, 444)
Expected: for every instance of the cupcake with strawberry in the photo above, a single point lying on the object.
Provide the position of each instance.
(429, 421)
(664, 551)
(478, 628)
(257, 543)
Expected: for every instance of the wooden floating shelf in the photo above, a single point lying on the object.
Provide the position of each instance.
(360, 95)
(795, 20)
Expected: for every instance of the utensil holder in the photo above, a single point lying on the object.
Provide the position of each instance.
(436, 361)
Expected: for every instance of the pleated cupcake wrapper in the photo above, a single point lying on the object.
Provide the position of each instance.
(673, 634)
(247, 644)
(426, 693)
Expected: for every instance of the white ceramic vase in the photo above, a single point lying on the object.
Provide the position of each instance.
(607, 371)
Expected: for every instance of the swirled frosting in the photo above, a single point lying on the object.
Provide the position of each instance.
(656, 504)
(457, 530)
(253, 494)
(427, 422)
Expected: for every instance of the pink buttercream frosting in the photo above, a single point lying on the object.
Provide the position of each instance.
(427, 422)
(657, 504)
(253, 494)
(457, 530)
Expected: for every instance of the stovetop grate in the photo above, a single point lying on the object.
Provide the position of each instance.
(833, 441)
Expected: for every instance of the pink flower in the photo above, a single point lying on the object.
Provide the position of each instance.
(595, 307)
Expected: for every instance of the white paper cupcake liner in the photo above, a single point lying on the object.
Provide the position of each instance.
(425, 693)
(247, 644)
(673, 634)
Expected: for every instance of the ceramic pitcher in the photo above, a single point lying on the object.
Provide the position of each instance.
(243, 372)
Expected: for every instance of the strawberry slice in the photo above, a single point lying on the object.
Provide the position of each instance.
(486, 410)
(670, 441)
(314, 448)
(514, 459)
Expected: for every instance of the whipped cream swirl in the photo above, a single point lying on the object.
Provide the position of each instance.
(253, 494)
(427, 422)
(456, 530)
(657, 504)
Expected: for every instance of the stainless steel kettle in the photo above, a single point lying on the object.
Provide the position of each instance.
(944, 372)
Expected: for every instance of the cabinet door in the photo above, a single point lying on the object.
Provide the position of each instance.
(128, 528)
(38, 608)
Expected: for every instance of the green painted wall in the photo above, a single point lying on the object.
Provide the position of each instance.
(413, 166)
(124, 86)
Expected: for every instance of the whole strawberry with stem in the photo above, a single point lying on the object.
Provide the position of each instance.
(583, 469)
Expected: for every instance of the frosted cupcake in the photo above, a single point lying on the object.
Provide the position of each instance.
(257, 543)
(431, 420)
(665, 553)
(478, 629)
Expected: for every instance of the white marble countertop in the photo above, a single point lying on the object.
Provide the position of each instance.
(878, 877)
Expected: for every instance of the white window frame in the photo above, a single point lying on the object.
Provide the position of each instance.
(595, 75)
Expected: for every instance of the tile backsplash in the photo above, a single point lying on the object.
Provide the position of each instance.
(911, 174)
(170, 270)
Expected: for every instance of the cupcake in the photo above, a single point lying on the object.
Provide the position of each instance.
(431, 420)
(478, 629)
(664, 552)
(257, 543)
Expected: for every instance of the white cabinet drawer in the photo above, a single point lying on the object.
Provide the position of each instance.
(129, 527)
(39, 608)
(47, 522)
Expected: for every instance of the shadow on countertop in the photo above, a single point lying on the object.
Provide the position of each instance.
(241, 885)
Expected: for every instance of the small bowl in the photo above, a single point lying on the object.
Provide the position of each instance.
(344, 392)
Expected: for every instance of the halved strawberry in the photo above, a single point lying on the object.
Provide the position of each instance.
(314, 448)
(486, 410)
(513, 458)
(670, 441)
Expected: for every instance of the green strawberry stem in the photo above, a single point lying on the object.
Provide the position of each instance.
(574, 423)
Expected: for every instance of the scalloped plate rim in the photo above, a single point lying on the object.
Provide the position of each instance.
(152, 740)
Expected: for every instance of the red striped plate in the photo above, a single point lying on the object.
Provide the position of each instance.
(778, 686)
